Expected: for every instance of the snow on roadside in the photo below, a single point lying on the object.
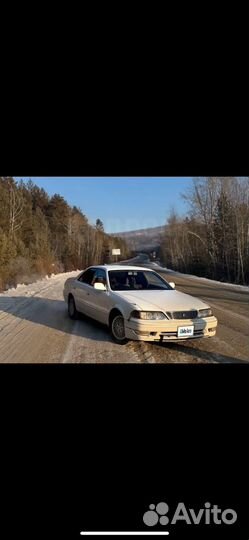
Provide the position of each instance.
(233, 285)
(37, 286)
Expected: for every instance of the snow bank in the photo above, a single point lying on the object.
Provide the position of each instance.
(211, 281)
(37, 285)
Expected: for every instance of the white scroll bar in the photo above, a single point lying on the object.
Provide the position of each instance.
(124, 533)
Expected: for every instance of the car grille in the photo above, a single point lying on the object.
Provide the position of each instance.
(182, 315)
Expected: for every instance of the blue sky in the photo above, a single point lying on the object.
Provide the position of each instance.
(122, 204)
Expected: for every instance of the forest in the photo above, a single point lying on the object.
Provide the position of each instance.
(212, 240)
(42, 235)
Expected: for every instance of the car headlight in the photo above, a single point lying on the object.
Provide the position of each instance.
(148, 315)
(205, 313)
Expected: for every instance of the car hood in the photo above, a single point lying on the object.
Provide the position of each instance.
(162, 300)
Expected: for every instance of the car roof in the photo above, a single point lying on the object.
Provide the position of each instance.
(120, 267)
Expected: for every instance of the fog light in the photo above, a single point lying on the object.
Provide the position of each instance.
(211, 329)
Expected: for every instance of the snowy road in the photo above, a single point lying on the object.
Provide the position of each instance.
(35, 327)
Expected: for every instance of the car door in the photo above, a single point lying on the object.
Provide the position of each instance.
(82, 288)
(99, 302)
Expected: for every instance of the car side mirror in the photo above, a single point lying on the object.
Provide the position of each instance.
(172, 284)
(99, 286)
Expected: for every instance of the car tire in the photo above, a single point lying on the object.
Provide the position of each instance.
(72, 311)
(117, 329)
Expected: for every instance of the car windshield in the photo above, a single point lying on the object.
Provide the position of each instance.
(130, 280)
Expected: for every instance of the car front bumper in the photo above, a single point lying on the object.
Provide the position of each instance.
(167, 330)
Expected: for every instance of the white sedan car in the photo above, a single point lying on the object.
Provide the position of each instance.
(138, 304)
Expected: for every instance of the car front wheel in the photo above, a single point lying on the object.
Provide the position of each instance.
(72, 311)
(118, 329)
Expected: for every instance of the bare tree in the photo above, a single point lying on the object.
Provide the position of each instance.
(15, 209)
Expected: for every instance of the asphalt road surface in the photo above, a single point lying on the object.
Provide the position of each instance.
(35, 327)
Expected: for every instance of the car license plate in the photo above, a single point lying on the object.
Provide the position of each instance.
(185, 331)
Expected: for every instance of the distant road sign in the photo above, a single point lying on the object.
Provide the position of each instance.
(116, 252)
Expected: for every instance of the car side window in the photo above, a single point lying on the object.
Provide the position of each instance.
(99, 277)
(87, 276)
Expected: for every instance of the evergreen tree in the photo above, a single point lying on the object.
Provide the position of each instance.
(99, 225)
